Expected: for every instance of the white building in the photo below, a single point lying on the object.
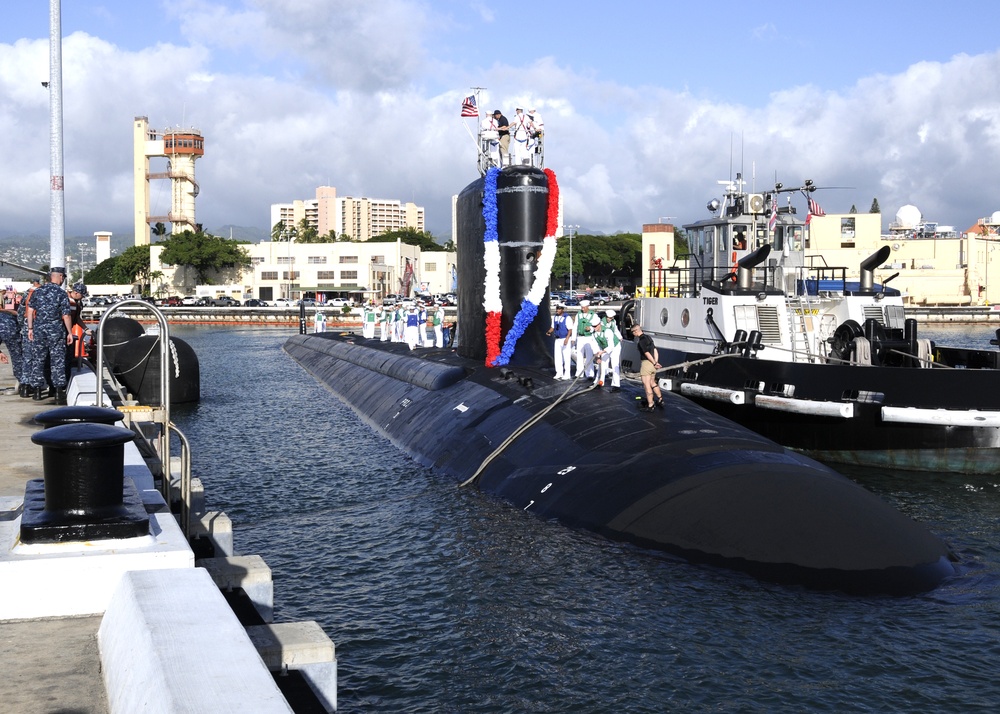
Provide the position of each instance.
(296, 270)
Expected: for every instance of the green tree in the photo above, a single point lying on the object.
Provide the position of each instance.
(132, 266)
(204, 253)
(599, 259)
(875, 207)
(854, 209)
(159, 229)
(103, 273)
(410, 236)
(278, 232)
(306, 233)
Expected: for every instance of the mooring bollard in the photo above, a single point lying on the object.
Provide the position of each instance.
(84, 494)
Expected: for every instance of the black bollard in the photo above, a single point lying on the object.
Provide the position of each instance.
(84, 494)
(78, 414)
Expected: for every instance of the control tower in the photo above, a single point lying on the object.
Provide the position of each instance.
(181, 148)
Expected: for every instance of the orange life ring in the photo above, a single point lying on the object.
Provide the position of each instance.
(736, 267)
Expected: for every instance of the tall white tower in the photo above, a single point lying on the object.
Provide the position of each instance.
(182, 147)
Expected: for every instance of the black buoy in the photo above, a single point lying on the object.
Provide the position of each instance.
(116, 332)
(78, 414)
(137, 366)
(84, 494)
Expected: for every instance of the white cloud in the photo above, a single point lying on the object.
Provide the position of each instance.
(361, 111)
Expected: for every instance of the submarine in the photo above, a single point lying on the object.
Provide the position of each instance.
(681, 480)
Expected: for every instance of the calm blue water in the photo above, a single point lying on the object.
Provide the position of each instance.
(443, 600)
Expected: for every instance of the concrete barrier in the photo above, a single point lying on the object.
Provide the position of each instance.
(170, 643)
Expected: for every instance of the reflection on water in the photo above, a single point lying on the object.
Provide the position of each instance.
(441, 599)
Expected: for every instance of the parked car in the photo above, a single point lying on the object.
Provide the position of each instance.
(224, 301)
(390, 300)
(171, 301)
(191, 300)
(254, 302)
(308, 302)
(339, 302)
(601, 297)
(282, 302)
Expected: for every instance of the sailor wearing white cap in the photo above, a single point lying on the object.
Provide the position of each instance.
(609, 339)
(521, 130)
(562, 331)
(584, 342)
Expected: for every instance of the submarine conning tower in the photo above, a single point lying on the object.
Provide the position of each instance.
(522, 195)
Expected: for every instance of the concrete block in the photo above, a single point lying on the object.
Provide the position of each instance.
(249, 572)
(170, 643)
(304, 647)
(216, 526)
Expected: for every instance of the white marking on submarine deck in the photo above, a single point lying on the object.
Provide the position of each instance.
(530, 504)
(547, 487)
(566, 470)
(461, 407)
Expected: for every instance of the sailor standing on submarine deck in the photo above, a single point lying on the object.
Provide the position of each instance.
(562, 330)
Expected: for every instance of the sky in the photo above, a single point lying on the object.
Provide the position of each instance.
(647, 105)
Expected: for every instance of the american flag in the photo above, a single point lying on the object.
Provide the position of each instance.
(469, 107)
(815, 209)
(773, 220)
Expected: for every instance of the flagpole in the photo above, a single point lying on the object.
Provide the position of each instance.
(57, 229)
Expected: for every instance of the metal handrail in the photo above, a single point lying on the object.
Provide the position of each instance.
(185, 479)
(164, 435)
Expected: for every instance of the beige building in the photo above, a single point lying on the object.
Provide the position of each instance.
(358, 218)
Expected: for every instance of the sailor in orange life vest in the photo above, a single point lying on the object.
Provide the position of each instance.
(562, 330)
(647, 371)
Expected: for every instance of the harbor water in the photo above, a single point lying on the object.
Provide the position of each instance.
(440, 599)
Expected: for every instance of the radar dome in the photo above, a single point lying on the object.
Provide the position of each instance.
(908, 216)
(995, 217)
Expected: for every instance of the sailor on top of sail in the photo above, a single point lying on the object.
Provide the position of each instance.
(521, 130)
(489, 134)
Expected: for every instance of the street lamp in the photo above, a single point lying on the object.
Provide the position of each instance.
(571, 229)
(81, 246)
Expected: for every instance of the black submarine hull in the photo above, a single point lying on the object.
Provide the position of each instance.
(680, 480)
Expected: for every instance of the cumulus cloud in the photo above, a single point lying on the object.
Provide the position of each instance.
(370, 108)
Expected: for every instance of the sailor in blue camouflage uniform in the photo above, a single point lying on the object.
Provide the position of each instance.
(25, 389)
(49, 331)
(10, 335)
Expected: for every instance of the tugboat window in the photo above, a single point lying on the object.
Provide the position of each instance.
(685, 318)
(664, 316)
(709, 239)
(739, 237)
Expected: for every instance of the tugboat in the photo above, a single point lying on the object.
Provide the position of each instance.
(680, 480)
(796, 352)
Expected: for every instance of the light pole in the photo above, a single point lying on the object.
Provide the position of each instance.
(81, 246)
(571, 229)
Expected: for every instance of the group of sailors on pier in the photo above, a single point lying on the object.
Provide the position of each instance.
(593, 341)
(514, 142)
(43, 329)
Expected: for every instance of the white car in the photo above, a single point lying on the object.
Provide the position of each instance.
(283, 302)
(339, 302)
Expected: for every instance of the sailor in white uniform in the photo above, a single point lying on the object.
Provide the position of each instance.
(438, 321)
(584, 342)
(562, 331)
(490, 137)
(520, 133)
(610, 341)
